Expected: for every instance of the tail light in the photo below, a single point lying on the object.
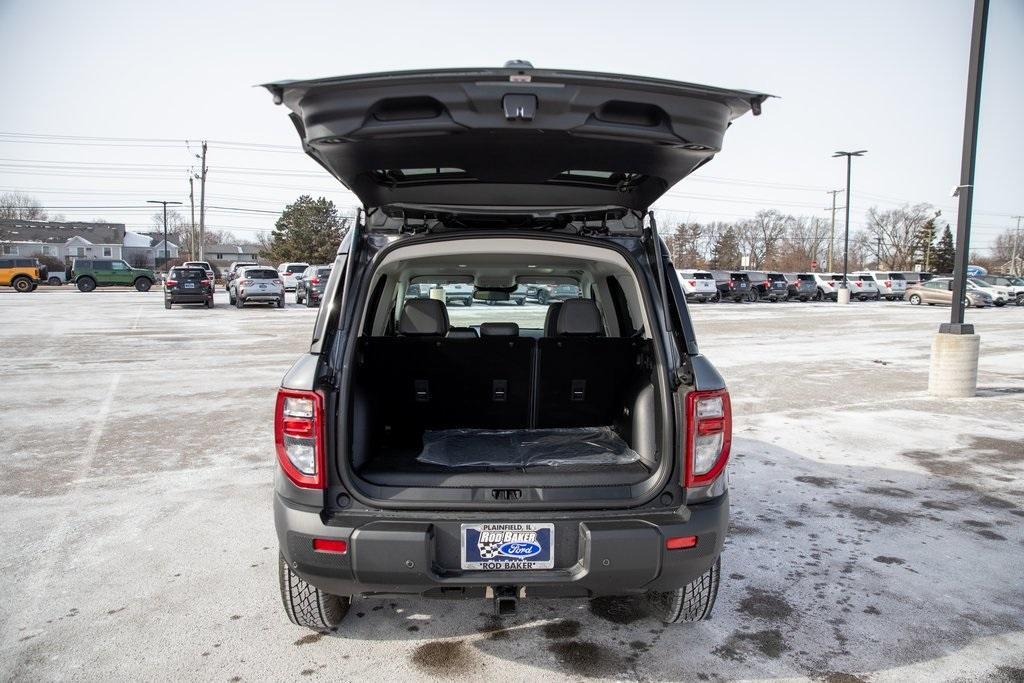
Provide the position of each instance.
(888, 283)
(767, 283)
(708, 436)
(298, 434)
(277, 282)
(731, 284)
(314, 280)
(204, 282)
(245, 283)
(170, 283)
(693, 283)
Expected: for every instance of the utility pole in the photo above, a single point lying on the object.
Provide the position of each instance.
(878, 253)
(1016, 240)
(192, 203)
(832, 237)
(202, 203)
(844, 295)
(165, 203)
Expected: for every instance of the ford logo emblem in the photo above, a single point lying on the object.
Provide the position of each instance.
(519, 549)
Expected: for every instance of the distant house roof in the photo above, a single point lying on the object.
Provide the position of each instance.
(232, 248)
(17, 230)
(135, 239)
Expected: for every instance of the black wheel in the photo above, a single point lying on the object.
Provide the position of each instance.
(239, 303)
(309, 606)
(819, 295)
(967, 303)
(1000, 303)
(209, 303)
(231, 298)
(693, 602)
(1020, 299)
(167, 303)
(753, 296)
(915, 299)
(716, 298)
(22, 284)
(54, 282)
(85, 284)
(520, 302)
(298, 299)
(542, 296)
(309, 302)
(467, 302)
(280, 302)
(143, 284)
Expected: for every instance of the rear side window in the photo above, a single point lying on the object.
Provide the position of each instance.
(740, 276)
(896, 276)
(867, 278)
(323, 272)
(102, 265)
(6, 263)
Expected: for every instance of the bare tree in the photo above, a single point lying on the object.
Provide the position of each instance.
(900, 232)
(21, 206)
(760, 236)
(805, 242)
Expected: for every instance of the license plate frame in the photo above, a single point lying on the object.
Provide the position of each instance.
(508, 546)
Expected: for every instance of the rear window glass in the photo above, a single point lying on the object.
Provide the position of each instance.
(867, 277)
(296, 267)
(806, 277)
(896, 276)
(261, 274)
(188, 273)
(323, 272)
(776, 276)
(739, 276)
(702, 276)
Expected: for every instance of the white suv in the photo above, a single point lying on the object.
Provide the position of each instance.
(828, 286)
(698, 285)
(288, 271)
(891, 285)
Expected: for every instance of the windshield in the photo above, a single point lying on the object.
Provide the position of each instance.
(187, 274)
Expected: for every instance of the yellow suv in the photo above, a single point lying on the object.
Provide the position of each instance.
(23, 274)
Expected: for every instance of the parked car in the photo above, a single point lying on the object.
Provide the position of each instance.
(733, 285)
(940, 291)
(518, 295)
(401, 497)
(1013, 285)
(188, 285)
(288, 271)
(230, 273)
(863, 287)
(256, 284)
(310, 285)
(21, 274)
(418, 290)
(458, 293)
(827, 286)
(778, 287)
(891, 285)
(801, 286)
(90, 273)
(1000, 295)
(762, 287)
(914, 277)
(698, 285)
(211, 274)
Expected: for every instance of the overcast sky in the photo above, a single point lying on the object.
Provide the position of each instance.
(884, 76)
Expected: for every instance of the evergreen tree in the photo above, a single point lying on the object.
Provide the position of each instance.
(308, 230)
(944, 253)
(725, 252)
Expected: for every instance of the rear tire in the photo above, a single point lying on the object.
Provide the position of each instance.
(693, 602)
(307, 605)
(54, 282)
(239, 303)
(542, 297)
(22, 284)
(143, 284)
(308, 301)
(85, 284)
(167, 304)
(915, 300)
(1000, 304)
(467, 302)
(280, 302)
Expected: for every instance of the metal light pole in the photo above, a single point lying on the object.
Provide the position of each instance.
(845, 298)
(165, 203)
(954, 362)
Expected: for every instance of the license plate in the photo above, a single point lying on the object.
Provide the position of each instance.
(263, 286)
(190, 285)
(508, 546)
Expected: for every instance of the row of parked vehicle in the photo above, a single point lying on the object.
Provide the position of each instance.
(246, 283)
(867, 285)
(464, 293)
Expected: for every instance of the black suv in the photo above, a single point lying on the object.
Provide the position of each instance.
(733, 285)
(188, 285)
(579, 451)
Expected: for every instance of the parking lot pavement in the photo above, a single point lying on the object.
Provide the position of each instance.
(877, 533)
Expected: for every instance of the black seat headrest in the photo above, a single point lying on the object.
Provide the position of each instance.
(462, 333)
(579, 317)
(423, 317)
(551, 319)
(499, 330)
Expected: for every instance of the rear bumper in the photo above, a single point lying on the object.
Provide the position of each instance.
(261, 296)
(700, 296)
(598, 555)
(191, 298)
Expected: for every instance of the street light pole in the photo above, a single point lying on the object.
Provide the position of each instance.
(844, 296)
(165, 203)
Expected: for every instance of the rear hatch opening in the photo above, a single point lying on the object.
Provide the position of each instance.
(498, 401)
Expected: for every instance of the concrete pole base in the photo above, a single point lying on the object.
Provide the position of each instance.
(954, 368)
(843, 295)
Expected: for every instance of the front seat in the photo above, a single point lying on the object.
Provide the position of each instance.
(551, 319)
(423, 318)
